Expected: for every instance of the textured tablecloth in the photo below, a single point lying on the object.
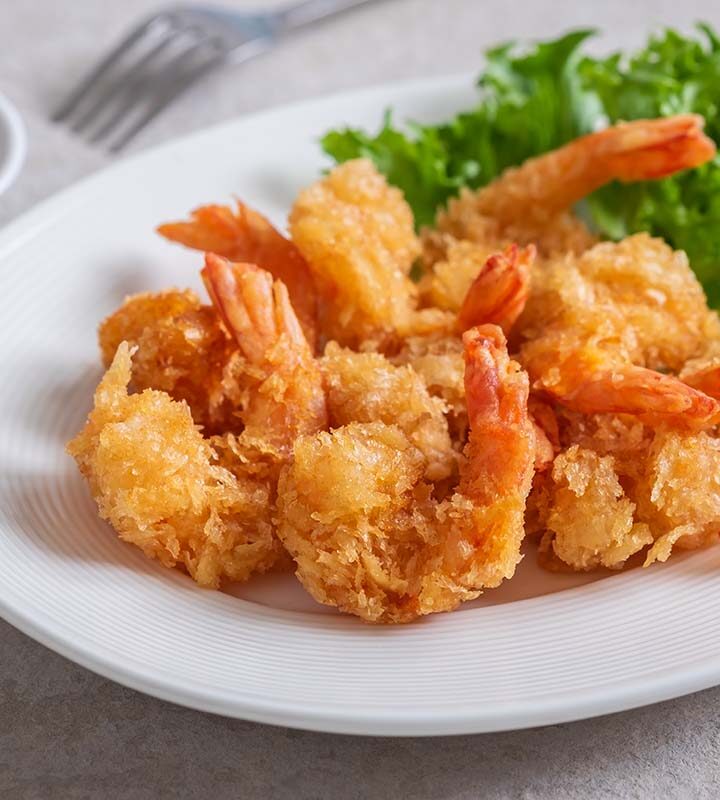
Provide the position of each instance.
(66, 733)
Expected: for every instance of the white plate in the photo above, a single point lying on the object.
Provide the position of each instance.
(13, 143)
(541, 649)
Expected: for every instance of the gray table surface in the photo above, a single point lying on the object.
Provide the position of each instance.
(67, 733)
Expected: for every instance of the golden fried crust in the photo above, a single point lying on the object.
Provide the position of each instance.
(465, 220)
(156, 480)
(181, 350)
(138, 312)
(439, 362)
(356, 233)
(366, 387)
(619, 487)
(638, 298)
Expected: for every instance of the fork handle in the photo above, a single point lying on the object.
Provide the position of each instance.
(309, 11)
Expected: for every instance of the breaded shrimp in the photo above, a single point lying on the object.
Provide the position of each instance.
(600, 330)
(531, 204)
(637, 296)
(356, 233)
(247, 236)
(156, 480)
(366, 387)
(182, 350)
(592, 381)
(285, 396)
(530, 196)
(363, 527)
(618, 488)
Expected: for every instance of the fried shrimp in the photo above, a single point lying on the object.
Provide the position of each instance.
(600, 330)
(156, 480)
(524, 201)
(285, 397)
(245, 235)
(363, 527)
(531, 204)
(181, 350)
(356, 233)
(618, 488)
(366, 387)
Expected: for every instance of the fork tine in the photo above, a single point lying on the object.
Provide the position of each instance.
(134, 93)
(123, 82)
(166, 97)
(104, 66)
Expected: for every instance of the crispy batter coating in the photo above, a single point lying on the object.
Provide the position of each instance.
(362, 524)
(438, 360)
(638, 297)
(181, 350)
(156, 480)
(590, 518)
(619, 487)
(366, 387)
(679, 493)
(356, 233)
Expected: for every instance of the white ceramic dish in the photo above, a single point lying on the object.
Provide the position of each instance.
(541, 649)
(13, 143)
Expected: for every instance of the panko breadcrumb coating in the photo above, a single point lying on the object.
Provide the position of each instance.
(356, 233)
(366, 387)
(438, 360)
(619, 487)
(637, 297)
(361, 522)
(181, 350)
(156, 480)
(590, 519)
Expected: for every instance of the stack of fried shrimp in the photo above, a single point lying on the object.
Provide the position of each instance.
(393, 440)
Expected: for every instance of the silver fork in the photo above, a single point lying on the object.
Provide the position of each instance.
(169, 52)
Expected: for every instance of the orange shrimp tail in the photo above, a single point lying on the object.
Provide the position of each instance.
(498, 294)
(652, 149)
(243, 297)
(495, 386)
(245, 235)
(654, 398)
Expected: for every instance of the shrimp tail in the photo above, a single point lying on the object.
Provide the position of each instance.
(587, 384)
(499, 292)
(244, 235)
(652, 149)
(497, 392)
